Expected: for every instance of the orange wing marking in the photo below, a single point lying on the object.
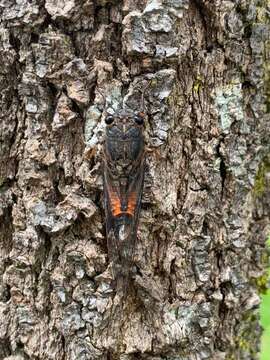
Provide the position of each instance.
(132, 200)
(116, 204)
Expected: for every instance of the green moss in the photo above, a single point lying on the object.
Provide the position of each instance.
(197, 84)
(261, 11)
(261, 14)
(260, 181)
(153, 82)
(246, 335)
(243, 344)
(261, 283)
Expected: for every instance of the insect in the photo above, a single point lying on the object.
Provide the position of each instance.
(124, 165)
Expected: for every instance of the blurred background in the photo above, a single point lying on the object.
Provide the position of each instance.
(265, 320)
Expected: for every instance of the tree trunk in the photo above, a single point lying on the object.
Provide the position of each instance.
(200, 256)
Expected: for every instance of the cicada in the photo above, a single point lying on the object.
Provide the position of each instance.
(124, 165)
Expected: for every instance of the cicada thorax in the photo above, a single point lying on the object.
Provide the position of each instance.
(123, 184)
(124, 144)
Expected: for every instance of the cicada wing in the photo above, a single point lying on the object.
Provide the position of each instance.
(134, 197)
(121, 226)
(112, 244)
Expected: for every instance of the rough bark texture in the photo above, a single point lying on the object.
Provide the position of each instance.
(200, 255)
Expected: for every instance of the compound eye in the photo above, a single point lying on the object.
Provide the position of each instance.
(139, 119)
(109, 119)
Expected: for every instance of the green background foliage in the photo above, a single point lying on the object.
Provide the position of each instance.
(265, 322)
(265, 319)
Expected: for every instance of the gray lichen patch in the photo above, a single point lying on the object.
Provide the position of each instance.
(108, 100)
(157, 87)
(229, 104)
(64, 113)
(78, 15)
(157, 18)
(52, 47)
(54, 220)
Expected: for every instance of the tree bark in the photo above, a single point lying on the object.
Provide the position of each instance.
(200, 255)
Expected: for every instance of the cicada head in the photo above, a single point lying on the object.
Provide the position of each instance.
(124, 125)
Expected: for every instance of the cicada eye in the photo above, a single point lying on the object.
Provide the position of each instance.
(139, 119)
(109, 119)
